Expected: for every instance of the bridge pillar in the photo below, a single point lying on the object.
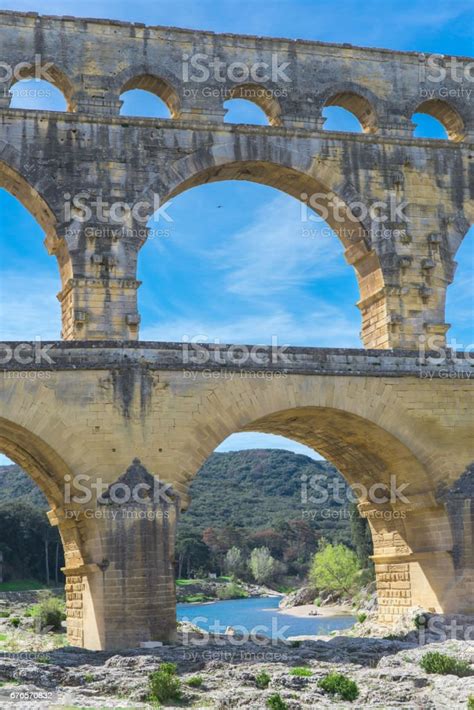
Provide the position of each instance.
(123, 593)
(99, 309)
(423, 552)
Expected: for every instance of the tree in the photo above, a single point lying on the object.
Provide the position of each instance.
(192, 553)
(262, 564)
(234, 563)
(361, 537)
(334, 568)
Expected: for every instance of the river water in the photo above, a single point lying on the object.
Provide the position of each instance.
(261, 612)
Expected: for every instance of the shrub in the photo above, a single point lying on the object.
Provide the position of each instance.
(317, 601)
(88, 678)
(262, 565)
(301, 671)
(4, 614)
(15, 621)
(435, 662)
(335, 568)
(470, 702)
(420, 621)
(164, 683)
(295, 643)
(276, 702)
(49, 612)
(262, 680)
(231, 591)
(341, 685)
(361, 617)
(195, 682)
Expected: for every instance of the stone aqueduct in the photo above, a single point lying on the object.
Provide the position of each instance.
(104, 406)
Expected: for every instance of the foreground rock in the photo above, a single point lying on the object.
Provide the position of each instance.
(386, 671)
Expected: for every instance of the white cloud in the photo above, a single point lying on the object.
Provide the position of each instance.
(324, 326)
(284, 248)
(29, 307)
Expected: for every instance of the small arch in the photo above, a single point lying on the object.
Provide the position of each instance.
(340, 119)
(261, 97)
(446, 115)
(39, 77)
(356, 104)
(157, 86)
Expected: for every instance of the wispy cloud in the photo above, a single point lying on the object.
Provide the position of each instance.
(29, 307)
(282, 249)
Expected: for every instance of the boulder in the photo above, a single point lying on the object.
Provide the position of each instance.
(304, 595)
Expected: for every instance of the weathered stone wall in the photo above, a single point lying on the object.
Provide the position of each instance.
(403, 264)
(376, 415)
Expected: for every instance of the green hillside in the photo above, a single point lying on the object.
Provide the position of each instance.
(248, 499)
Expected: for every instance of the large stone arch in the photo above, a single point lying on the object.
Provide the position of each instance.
(412, 530)
(49, 471)
(278, 165)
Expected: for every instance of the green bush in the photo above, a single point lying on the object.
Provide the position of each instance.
(164, 683)
(361, 617)
(262, 680)
(335, 568)
(195, 682)
(470, 702)
(231, 591)
(435, 662)
(4, 614)
(317, 601)
(15, 621)
(341, 685)
(295, 643)
(276, 702)
(301, 671)
(420, 621)
(49, 611)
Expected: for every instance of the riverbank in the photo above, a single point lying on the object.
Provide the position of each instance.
(310, 610)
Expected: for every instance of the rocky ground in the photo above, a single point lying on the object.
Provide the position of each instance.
(35, 674)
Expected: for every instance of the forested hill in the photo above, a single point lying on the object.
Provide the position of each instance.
(252, 489)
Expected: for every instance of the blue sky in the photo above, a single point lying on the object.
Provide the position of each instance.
(236, 265)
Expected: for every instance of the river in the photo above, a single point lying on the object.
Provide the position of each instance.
(261, 612)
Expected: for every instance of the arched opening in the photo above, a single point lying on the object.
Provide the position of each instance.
(386, 475)
(443, 122)
(251, 103)
(264, 534)
(32, 551)
(349, 111)
(274, 259)
(37, 95)
(29, 279)
(42, 88)
(315, 200)
(149, 96)
(460, 298)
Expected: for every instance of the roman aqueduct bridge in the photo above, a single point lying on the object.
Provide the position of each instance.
(104, 405)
